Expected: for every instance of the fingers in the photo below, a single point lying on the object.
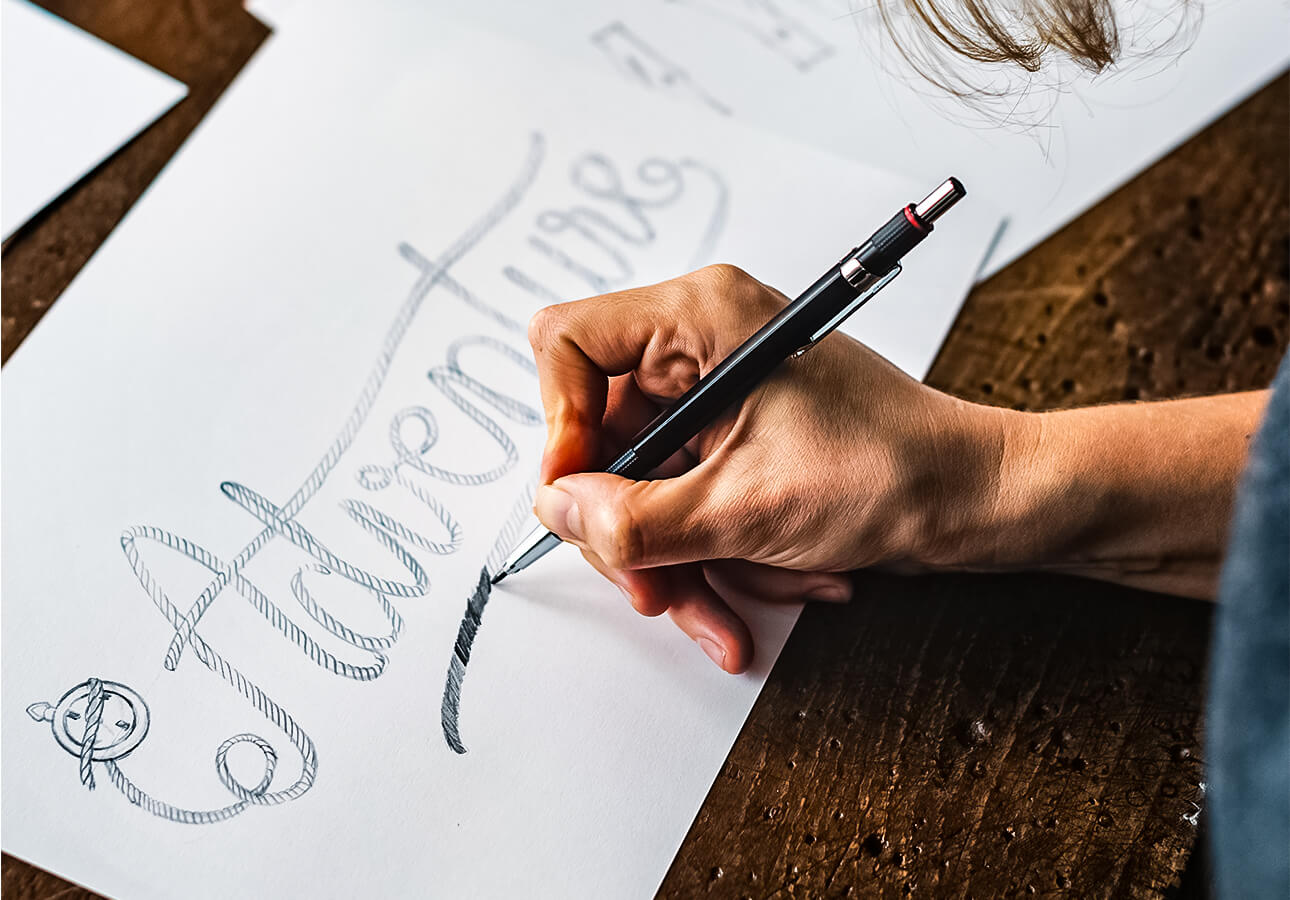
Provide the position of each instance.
(575, 358)
(694, 597)
(690, 602)
(667, 334)
(715, 627)
(647, 590)
(754, 581)
(640, 524)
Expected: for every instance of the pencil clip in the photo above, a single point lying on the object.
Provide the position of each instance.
(861, 299)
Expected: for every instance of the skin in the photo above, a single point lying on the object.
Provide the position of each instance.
(840, 461)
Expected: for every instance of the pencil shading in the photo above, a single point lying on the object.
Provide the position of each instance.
(450, 709)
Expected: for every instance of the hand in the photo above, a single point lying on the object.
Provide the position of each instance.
(838, 461)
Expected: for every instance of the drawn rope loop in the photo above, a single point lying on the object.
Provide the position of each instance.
(229, 780)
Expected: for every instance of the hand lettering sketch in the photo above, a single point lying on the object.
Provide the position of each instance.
(770, 25)
(642, 63)
(588, 244)
(450, 710)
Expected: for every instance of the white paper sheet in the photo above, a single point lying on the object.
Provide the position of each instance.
(68, 101)
(822, 71)
(270, 12)
(305, 345)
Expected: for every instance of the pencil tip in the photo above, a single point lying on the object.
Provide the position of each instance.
(498, 577)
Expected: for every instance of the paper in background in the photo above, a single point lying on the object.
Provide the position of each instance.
(68, 100)
(270, 12)
(825, 72)
(323, 297)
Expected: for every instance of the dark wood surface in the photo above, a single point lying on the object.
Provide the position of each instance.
(948, 736)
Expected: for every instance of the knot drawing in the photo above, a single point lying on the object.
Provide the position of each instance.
(95, 721)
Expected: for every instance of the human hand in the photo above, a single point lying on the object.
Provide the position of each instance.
(837, 461)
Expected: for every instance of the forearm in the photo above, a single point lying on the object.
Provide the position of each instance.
(1138, 493)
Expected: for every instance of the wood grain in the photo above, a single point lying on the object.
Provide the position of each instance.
(951, 736)
(964, 737)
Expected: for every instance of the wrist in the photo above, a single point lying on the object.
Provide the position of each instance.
(979, 460)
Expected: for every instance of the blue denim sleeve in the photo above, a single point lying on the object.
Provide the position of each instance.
(1249, 693)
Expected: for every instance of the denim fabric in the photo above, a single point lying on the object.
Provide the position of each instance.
(1249, 692)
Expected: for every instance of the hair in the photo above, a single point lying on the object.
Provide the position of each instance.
(1017, 46)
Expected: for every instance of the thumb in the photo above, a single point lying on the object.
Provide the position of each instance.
(635, 524)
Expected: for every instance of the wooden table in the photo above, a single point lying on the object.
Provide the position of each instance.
(954, 735)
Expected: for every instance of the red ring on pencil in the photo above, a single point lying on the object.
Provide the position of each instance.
(913, 218)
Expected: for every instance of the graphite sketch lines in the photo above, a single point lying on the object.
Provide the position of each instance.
(96, 721)
(280, 522)
(93, 719)
(450, 708)
(431, 274)
(770, 25)
(644, 64)
(593, 239)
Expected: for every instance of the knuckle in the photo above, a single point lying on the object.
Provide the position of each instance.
(723, 278)
(726, 288)
(546, 326)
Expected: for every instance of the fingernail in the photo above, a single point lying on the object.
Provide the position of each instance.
(828, 593)
(558, 512)
(714, 651)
